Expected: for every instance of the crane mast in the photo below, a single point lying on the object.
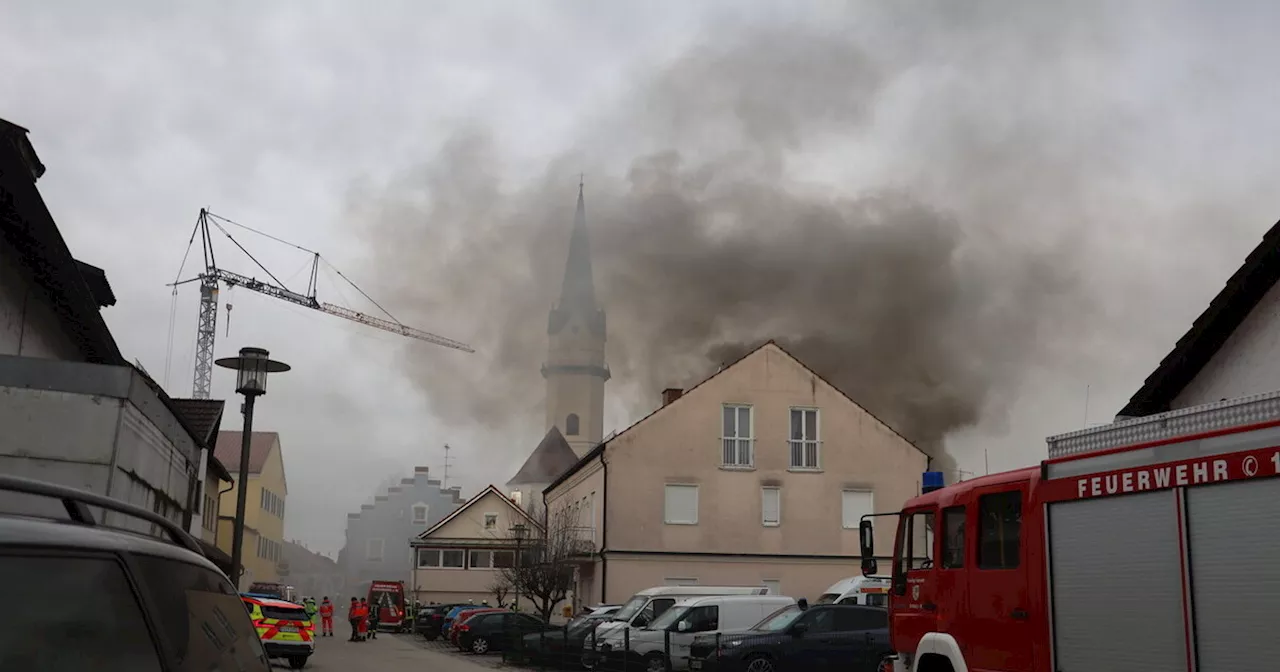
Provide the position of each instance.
(210, 279)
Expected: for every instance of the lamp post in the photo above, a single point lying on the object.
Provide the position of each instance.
(252, 367)
(519, 531)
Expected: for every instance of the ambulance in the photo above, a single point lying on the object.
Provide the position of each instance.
(284, 628)
(869, 590)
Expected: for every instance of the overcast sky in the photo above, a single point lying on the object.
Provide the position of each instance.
(1135, 143)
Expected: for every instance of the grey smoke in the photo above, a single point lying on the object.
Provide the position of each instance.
(923, 301)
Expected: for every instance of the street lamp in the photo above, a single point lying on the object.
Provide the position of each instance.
(519, 532)
(252, 367)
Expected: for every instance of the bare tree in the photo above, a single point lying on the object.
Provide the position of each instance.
(500, 589)
(543, 572)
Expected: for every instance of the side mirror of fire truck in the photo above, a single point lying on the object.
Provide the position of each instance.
(867, 544)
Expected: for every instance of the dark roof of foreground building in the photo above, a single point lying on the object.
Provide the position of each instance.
(204, 416)
(1243, 291)
(552, 457)
(27, 226)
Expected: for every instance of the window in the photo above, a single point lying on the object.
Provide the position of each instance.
(517, 497)
(917, 539)
(854, 504)
(428, 558)
(774, 586)
(681, 505)
(504, 559)
(200, 614)
(481, 560)
(771, 506)
(804, 438)
(705, 618)
(737, 436)
(452, 559)
(857, 620)
(420, 513)
(999, 530)
(490, 521)
(209, 516)
(373, 549)
(571, 425)
(105, 622)
(953, 537)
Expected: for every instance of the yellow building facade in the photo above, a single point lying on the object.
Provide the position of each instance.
(264, 504)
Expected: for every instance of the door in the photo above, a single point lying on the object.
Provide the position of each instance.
(914, 591)
(862, 638)
(999, 632)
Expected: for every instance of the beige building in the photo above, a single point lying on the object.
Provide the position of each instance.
(264, 506)
(461, 557)
(759, 475)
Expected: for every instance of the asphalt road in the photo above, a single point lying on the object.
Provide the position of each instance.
(336, 654)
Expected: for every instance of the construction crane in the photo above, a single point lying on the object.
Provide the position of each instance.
(206, 329)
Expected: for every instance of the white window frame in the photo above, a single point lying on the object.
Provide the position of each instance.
(439, 558)
(516, 497)
(844, 522)
(738, 439)
(426, 511)
(764, 494)
(492, 554)
(463, 551)
(490, 516)
(770, 584)
(666, 512)
(806, 442)
(369, 546)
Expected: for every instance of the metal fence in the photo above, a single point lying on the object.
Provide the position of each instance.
(569, 648)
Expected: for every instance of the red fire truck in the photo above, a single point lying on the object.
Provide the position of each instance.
(388, 598)
(1144, 545)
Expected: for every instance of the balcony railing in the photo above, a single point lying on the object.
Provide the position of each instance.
(581, 540)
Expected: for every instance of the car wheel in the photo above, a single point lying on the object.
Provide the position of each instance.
(759, 664)
(655, 662)
(479, 645)
(297, 662)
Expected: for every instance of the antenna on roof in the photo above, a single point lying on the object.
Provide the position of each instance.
(444, 482)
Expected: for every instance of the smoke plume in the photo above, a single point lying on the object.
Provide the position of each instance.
(775, 182)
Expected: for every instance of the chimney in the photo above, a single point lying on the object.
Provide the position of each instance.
(671, 394)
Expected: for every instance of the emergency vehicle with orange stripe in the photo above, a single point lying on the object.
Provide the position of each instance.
(1138, 545)
(284, 628)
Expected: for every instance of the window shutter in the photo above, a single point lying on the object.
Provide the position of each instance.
(855, 504)
(681, 505)
(771, 506)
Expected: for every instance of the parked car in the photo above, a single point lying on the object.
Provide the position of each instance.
(462, 617)
(430, 620)
(496, 631)
(822, 638)
(284, 628)
(447, 621)
(563, 643)
(92, 597)
(663, 645)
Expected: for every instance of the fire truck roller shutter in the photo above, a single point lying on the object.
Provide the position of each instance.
(1235, 569)
(1117, 584)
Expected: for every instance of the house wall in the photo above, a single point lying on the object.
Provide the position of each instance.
(682, 444)
(793, 577)
(28, 324)
(1246, 364)
(467, 531)
(97, 442)
(390, 520)
(260, 559)
(207, 521)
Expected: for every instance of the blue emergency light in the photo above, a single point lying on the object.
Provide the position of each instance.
(930, 481)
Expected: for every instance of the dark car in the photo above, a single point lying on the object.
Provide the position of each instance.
(431, 618)
(101, 598)
(497, 630)
(562, 644)
(822, 638)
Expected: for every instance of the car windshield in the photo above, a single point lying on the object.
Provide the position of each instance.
(588, 622)
(631, 608)
(668, 618)
(779, 620)
(827, 598)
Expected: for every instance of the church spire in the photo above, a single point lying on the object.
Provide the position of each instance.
(578, 290)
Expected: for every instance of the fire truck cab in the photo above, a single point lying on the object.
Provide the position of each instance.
(1137, 546)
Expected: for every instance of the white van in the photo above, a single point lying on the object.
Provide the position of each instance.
(650, 603)
(859, 589)
(691, 617)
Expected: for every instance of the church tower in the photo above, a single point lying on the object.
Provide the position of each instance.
(575, 370)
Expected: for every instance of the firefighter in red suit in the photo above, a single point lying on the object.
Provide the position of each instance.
(326, 618)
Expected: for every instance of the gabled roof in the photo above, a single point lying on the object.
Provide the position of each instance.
(550, 459)
(27, 225)
(600, 448)
(470, 502)
(1208, 332)
(260, 444)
